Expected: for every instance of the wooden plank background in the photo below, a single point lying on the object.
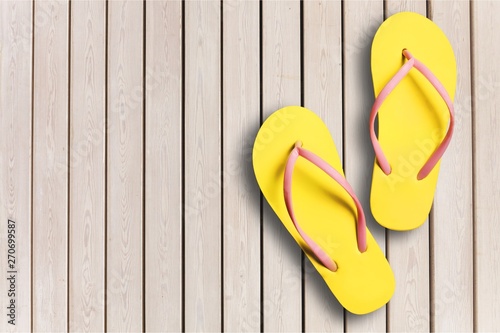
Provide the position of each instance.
(125, 162)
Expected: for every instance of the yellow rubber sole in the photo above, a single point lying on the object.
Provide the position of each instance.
(412, 121)
(363, 282)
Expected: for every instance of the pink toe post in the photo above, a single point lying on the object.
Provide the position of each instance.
(389, 87)
(329, 170)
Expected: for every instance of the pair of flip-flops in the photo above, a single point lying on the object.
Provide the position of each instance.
(300, 173)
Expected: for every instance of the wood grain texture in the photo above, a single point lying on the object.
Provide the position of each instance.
(408, 252)
(322, 63)
(451, 239)
(50, 167)
(394, 6)
(87, 166)
(124, 166)
(163, 167)
(486, 100)
(361, 21)
(203, 190)
(88, 173)
(241, 215)
(15, 156)
(282, 276)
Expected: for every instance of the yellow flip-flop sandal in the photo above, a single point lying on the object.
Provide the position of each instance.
(414, 77)
(294, 150)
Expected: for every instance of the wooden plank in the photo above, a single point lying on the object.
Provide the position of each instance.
(486, 99)
(323, 95)
(393, 6)
(361, 21)
(452, 231)
(203, 166)
(408, 252)
(50, 168)
(15, 161)
(87, 166)
(282, 276)
(163, 167)
(124, 166)
(241, 104)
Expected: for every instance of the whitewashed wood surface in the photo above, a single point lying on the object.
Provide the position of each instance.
(125, 162)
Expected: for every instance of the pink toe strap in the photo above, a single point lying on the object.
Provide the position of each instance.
(329, 170)
(389, 87)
